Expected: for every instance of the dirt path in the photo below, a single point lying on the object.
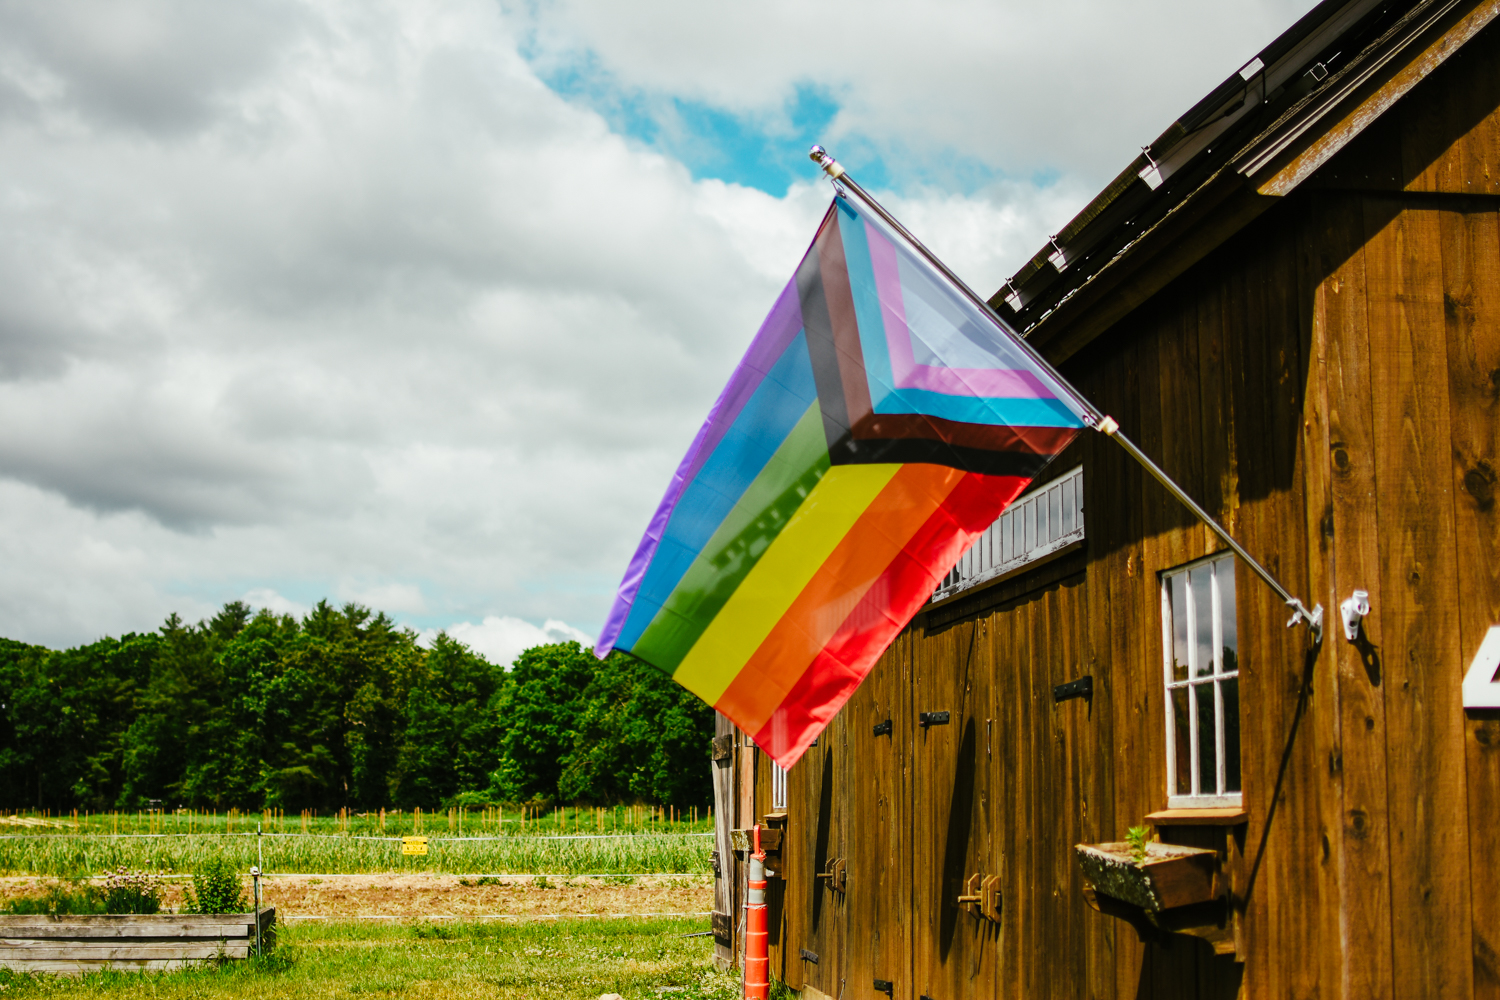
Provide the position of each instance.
(397, 895)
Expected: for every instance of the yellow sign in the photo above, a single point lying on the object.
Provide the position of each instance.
(413, 845)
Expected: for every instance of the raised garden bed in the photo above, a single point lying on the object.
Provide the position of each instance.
(1170, 875)
(134, 942)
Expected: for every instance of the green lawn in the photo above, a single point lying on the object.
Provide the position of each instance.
(574, 959)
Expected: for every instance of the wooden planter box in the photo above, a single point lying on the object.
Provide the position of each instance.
(135, 942)
(1171, 875)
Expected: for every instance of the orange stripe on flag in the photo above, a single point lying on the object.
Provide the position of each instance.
(885, 609)
(906, 503)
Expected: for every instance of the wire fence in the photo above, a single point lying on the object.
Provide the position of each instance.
(431, 839)
(90, 854)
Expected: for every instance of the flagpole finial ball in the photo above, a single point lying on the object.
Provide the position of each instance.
(830, 166)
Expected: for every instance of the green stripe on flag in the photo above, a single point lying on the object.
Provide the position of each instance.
(738, 543)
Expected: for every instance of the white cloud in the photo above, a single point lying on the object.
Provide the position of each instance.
(268, 599)
(337, 298)
(501, 639)
(1071, 85)
(397, 597)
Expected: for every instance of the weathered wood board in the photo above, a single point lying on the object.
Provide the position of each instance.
(133, 942)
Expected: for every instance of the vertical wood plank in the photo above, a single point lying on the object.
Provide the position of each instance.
(1279, 760)
(1418, 617)
(724, 795)
(1471, 307)
(1360, 830)
(1315, 259)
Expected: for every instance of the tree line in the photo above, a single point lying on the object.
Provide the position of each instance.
(338, 709)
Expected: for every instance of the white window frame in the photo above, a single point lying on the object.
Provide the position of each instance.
(778, 786)
(1195, 684)
(1043, 522)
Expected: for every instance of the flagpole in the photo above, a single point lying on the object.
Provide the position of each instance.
(1092, 417)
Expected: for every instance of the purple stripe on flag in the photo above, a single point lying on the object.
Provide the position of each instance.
(983, 382)
(780, 328)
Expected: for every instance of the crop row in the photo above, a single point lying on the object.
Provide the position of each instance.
(89, 854)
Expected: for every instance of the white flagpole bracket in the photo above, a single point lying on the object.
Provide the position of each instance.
(1091, 416)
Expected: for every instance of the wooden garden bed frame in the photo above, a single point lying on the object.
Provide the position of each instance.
(74, 945)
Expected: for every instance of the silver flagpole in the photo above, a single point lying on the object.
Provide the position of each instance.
(1092, 417)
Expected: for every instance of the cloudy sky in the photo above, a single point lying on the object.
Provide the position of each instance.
(418, 304)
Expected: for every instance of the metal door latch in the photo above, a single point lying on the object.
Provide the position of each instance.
(926, 719)
(981, 896)
(837, 874)
(809, 956)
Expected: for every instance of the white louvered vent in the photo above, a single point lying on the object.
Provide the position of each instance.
(1037, 525)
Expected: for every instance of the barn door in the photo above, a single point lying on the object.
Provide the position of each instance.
(816, 931)
(949, 798)
(877, 911)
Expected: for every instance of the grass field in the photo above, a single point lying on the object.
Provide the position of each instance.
(569, 960)
(89, 854)
(566, 841)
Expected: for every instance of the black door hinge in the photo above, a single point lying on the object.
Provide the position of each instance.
(883, 728)
(932, 719)
(809, 956)
(885, 986)
(1083, 687)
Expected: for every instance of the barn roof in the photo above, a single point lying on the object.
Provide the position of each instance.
(1252, 139)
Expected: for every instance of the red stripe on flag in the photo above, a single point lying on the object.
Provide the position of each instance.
(883, 612)
(859, 561)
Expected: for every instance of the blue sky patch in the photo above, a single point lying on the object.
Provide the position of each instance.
(766, 151)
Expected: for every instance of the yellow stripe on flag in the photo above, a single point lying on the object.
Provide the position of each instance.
(763, 597)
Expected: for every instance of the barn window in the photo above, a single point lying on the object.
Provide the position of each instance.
(778, 786)
(1202, 684)
(1045, 521)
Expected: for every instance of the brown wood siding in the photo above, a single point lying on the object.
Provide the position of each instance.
(1327, 383)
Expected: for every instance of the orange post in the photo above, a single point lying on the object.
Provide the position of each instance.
(757, 958)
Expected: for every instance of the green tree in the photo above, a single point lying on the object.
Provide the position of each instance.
(339, 709)
(638, 735)
(538, 708)
(451, 728)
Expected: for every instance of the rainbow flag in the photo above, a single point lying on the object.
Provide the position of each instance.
(878, 424)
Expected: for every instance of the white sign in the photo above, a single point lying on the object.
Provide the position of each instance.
(1480, 688)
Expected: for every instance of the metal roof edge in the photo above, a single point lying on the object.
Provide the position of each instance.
(1278, 142)
(1270, 162)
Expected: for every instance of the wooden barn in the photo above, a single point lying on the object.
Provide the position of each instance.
(1291, 301)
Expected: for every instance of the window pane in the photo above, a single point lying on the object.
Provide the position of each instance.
(1178, 584)
(1182, 748)
(1231, 690)
(1203, 597)
(1208, 768)
(1226, 609)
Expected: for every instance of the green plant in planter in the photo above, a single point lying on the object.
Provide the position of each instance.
(216, 888)
(1138, 837)
(128, 891)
